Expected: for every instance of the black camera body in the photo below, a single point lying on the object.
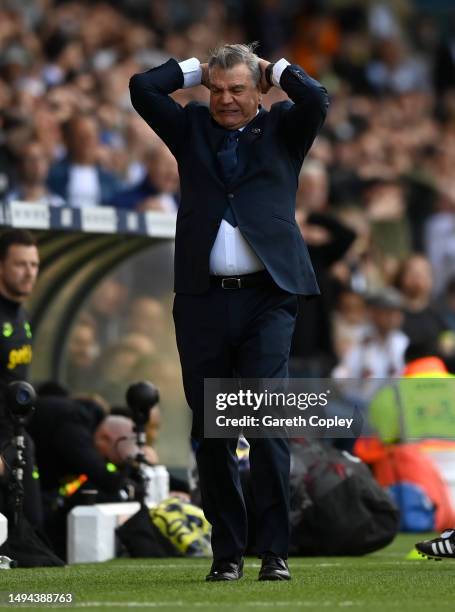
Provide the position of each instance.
(20, 401)
(141, 397)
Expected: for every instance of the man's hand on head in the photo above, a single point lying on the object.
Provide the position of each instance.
(265, 85)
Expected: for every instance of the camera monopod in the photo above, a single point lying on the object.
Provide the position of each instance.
(141, 397)
(20, 401)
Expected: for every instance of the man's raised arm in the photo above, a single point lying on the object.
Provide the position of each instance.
(302, 120)
(150, 97)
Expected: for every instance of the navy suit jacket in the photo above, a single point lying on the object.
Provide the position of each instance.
(262, 191)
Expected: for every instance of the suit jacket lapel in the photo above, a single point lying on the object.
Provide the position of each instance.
(248, 138)
(215, 135)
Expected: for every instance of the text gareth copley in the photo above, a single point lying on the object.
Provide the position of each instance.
(296, 421)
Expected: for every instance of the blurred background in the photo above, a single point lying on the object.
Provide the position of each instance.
(376, 200)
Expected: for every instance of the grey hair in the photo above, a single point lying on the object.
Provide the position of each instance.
(228, 56)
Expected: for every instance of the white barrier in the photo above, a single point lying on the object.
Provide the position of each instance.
(91, 530)
(3, 528)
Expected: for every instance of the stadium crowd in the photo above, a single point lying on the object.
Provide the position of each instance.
(376, 200)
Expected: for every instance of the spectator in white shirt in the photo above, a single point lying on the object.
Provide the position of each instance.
(380, 351)
(79, 178)
(31, 184)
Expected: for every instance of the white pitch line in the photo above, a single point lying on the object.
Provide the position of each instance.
(246, 604)
(206, 604)
(133, 566)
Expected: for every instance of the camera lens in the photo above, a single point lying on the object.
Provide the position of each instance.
(20, 399)
(23, 396)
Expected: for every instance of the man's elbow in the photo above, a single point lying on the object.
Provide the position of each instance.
(136, 87)
(322, 99)
(134, 84)
(315, 101)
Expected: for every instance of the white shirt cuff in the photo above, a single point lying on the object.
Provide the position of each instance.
(192, 72)
(278, 70)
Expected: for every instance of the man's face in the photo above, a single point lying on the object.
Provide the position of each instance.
(35, 166)
(163, 171)
(82, 347)
(417, 280)
(386, 319)
(83, 138)
(234, 98)
(114, 439)
(18, 272)
(153, 425)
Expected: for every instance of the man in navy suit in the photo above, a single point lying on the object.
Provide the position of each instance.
(240, 262)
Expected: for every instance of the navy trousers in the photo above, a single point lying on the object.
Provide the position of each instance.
(247, 333)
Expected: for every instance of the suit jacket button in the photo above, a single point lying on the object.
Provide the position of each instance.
(230, 195)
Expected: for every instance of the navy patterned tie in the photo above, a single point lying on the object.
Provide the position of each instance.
(227, 156)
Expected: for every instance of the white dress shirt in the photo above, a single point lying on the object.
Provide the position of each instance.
(83, 188)
(231, 254)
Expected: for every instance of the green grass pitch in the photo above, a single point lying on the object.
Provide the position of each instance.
(383, 581)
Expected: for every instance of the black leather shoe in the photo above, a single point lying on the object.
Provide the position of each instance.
(225, 570)
(274, 568)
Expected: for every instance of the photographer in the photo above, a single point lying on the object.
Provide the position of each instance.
(19, 264)
(78, 448)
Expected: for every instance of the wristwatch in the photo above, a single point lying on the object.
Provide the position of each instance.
(268, 74)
